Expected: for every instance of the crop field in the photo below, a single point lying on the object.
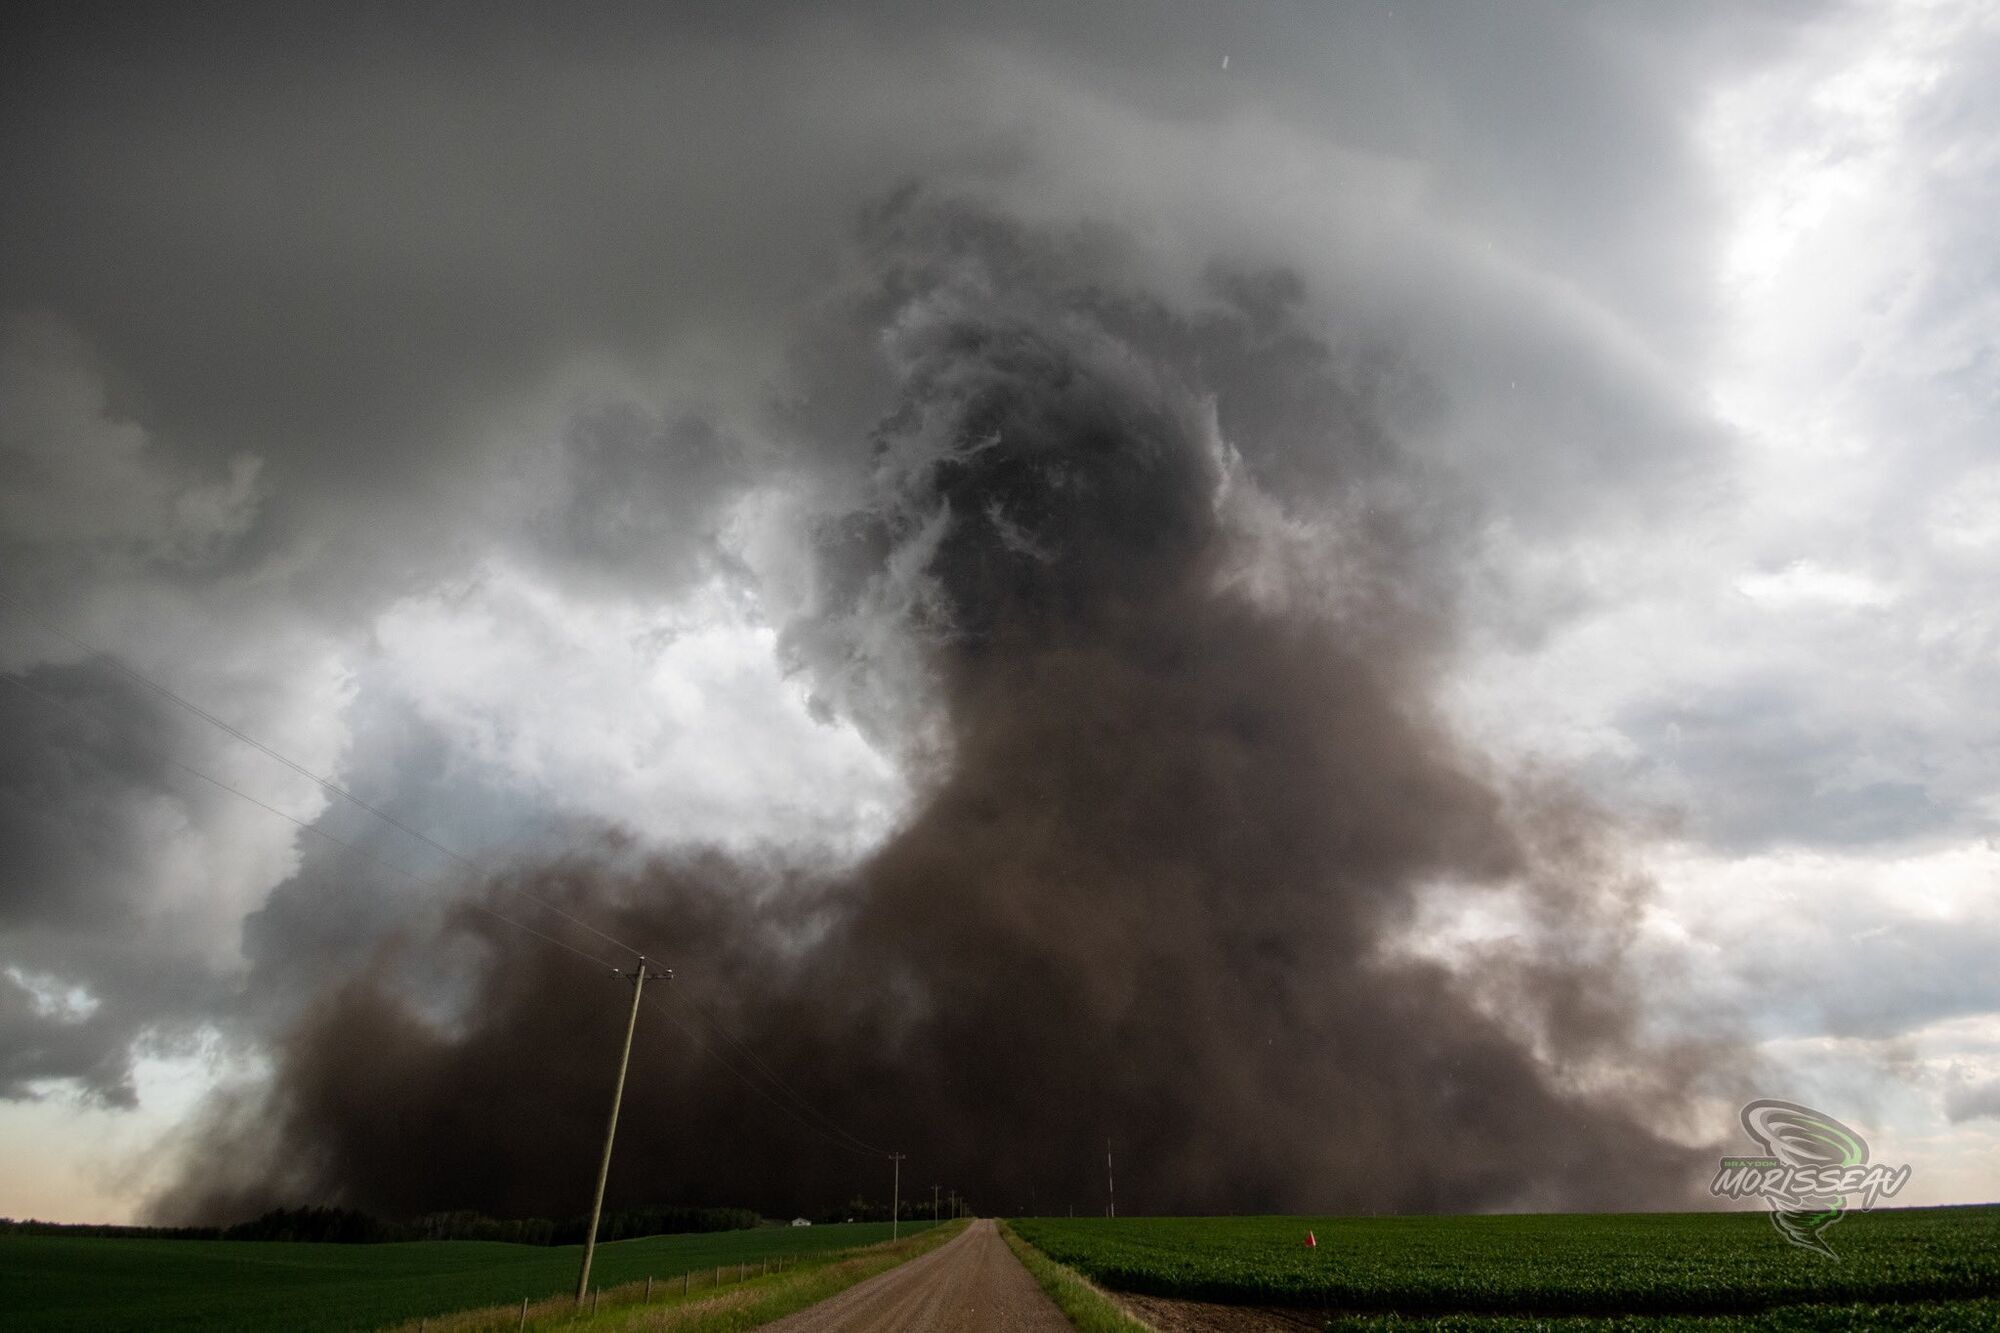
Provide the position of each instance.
(1901, 1268)
(67, 1282)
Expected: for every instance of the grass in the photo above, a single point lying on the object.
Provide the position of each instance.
(75, 1283)
(705, 1307)
(1914, 1268)
(1081, 1301)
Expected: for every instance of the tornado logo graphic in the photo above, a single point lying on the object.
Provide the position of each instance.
(1799, 1137)
(1811, 1166)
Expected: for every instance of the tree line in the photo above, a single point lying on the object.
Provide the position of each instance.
(350, 1226)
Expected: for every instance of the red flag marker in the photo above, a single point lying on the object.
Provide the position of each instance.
(1312, 1242)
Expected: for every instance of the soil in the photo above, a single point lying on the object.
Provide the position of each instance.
(1170, 1316)
(970, 1284)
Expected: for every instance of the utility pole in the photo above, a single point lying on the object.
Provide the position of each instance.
(934, 1204)
(896, 1198)
(1110, 1186)
(638, 979)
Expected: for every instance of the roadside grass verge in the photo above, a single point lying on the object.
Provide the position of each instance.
(746, 1297)
(1082, 1301)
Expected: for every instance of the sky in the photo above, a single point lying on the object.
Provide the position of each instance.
(471, 404)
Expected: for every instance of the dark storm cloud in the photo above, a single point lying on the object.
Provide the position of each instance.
(88, 800)
(1171, 823)
(473, 284)
(639, 497)
(1311, 398)
(347, 248)
(77, 746)
(354, 246)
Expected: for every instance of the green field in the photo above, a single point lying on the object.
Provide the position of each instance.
(64, 1282)
(1931, 1268)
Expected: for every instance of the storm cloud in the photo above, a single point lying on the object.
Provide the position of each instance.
(1070, 587)
(1177, 783)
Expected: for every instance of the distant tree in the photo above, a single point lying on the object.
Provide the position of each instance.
(340, 1226)
(349, 1226)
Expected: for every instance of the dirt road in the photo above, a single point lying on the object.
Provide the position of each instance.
(971, 1284)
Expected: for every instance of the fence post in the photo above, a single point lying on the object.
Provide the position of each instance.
(524, 1312)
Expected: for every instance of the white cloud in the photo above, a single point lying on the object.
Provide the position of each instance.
(53, 998)
(1803, 653)
(1806, 584)
(66, 1158)
(675, 722)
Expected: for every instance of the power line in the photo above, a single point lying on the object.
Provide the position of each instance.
(709, 1049)
(325, 783)
(346, 847)
(709, 1015)
(827, 1127)
(833, 1138)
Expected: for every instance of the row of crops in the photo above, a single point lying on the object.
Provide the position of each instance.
(1687, 1263)
(88, 1285)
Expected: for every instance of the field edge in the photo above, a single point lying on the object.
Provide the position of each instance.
(747, 1304)
(1087, 1306)
(1919, 1258)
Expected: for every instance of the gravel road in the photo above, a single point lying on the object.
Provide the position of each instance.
(972, 1283)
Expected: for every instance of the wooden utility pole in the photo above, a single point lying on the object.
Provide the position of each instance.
(934, 1204)
(638, 979)
(1110, 1186)
(896, 1198)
